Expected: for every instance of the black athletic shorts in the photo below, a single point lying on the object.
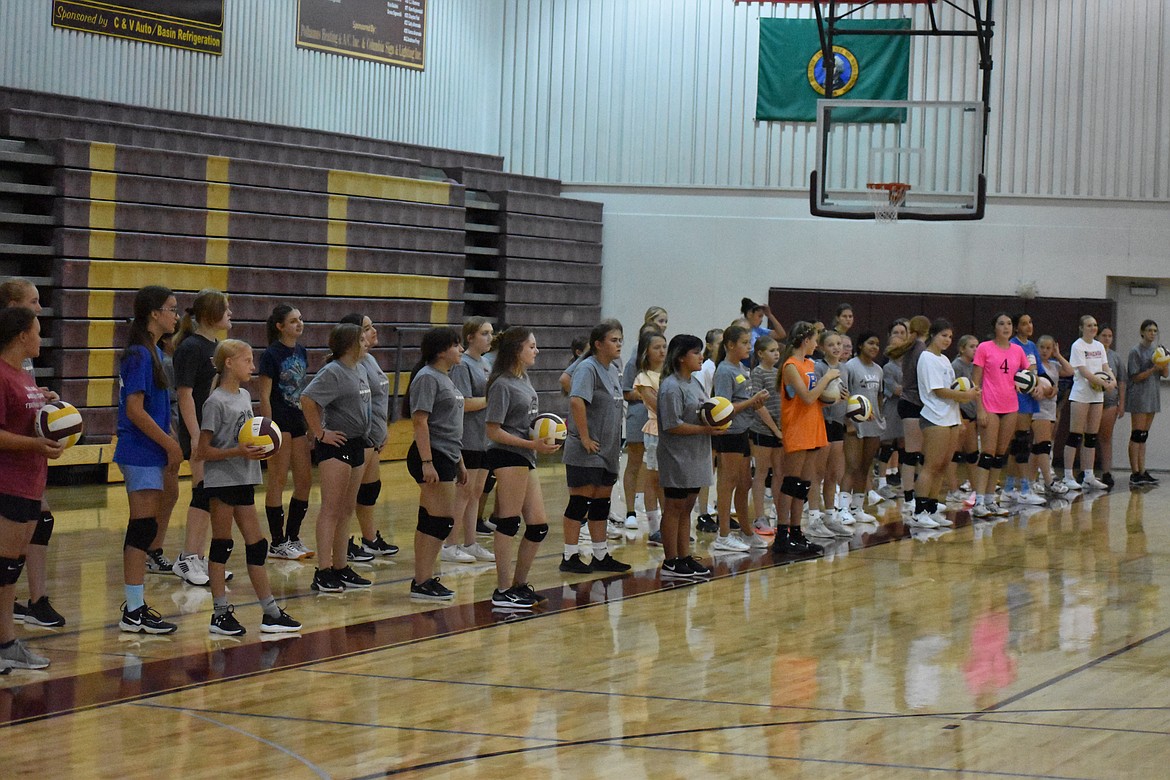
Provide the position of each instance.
(448, 469)
(732, 443)
(293, 426)
(19, 510)
(765, 440)
(474, 459)
(352, 453)
(232, 495)
(589, 476)
(502, 459)
(679, 493)
(834, 430)
(908, 410)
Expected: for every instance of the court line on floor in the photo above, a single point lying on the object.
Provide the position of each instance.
(281, 748)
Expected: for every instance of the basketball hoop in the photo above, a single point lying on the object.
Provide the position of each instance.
(887, 198)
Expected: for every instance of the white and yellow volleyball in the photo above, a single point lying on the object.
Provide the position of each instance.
(717, 412)
(61, 422)
(549, 427)
(261, 432)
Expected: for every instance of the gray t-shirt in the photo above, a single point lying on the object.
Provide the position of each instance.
(1142, 397)
(834, 412)
(1112, 396)
(433, 392)
(891, 379)
(962, 368)
(733, 382)
(1047, 405)
(636, 412)
(765, 379)
(683, 461)
(343, 393)
(379, 401)
(224, 414)
(910, 373)
(470, 377)
(600, 387)
(866, 380)
(512, 403)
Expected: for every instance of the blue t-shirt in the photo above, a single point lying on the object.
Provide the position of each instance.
(1028, 404)
(288, 368)
(136, 375)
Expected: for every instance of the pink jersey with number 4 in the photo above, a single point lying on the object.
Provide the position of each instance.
(999, 366)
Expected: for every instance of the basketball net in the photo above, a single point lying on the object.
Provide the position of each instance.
(887, 199)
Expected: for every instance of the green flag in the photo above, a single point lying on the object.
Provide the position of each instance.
(868, 67)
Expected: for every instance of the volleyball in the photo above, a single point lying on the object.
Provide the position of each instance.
(859, 408)
(1102, 378)
(962, 384)
(549, 427)
(1025, 381)
(716, 412)
(1161, 357)
(261, 432)
(61, 422)
(831, 393)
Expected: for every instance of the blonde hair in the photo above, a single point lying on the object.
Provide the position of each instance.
(208, 308)
(652, 314)
(13, 290)
(225, 351)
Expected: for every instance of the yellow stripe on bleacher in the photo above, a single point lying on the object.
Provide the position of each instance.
(102, 362)
(216, 251)
(372, 185)
(101, 332)
(218, 169)
(439, 312)
(102, 244)
(100, 392)
(130, 276)
(219, 196)
(336, 258)
(101, 305)
(362, 285)
(101, 215)
(102, 157)
(103, 185)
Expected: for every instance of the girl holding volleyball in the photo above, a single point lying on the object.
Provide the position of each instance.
(1092, 377)
(231, 472)
(1112, 408)
(996, 363)
(834, 518)
(764, 432)
(1022, 468)
(863, 376)
(1142, 401)
(1044, 421)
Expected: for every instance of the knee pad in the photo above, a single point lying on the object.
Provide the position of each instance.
(508, 526)
(885, 452)
(368, 493)
(1042, 448)
(958, 457)
(577, 509)
(901, 455)
(140, 533)
(199, 499)
(489, 483)
(536, 533)
(790, 487)
(1139, 437)
(220, 551)
(257, 552)
(10, 569)
(986, 461)
(436, 527)
(599, 509)
(1001, 461)
(1074, 440)
(804, 486)
(1018, 444)
(971, 457)
(913, 459)
(1090, 441)
(1024, 455)
(44, 529)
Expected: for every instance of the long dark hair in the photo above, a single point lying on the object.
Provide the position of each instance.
(279, 312)
(208, 307)
(678, 347)
(342, 338)
(435, 342)
(508, 355)
(14, 320)
(731, 334)
(800, 331)
(147, 301)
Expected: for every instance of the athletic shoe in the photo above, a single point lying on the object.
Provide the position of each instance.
(574, 565)
(707, 524)
(982, 511)
(478, 551)
(512, 598)
(954, 497)
(356, 554)
(887, 493)
(754, 541)
(609, 564)
(326, 581)
(998, 509)
(191, 569)
(874, 497)
(157, 563)
(861, 516)
(615, 529)
(838, 528)
(451, 553)
(17, 656)
(531, 593)
(816, 527)
(379, 546)
(697, 567)
(1090, 481)
(144, 620)
(923, 520)
(796, 536)
(631, 521)
(283, 623)
(41, 613)
(484, 527)
(1071, 483)
(19, 611)
(674, 569)
(1031, 499)
(1010, 496)
(351, 579)
(284, 551)
(1039, 489)
(1135, 479)
(1107, 478)
(939, 517)
(298, 546)
(654, 539)
(1055, 488)
(763, 527)
(1149, 479)
(431, 590)
(845, 516)
(225, 623)
(728, 544)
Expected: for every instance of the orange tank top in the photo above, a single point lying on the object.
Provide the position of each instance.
(802, 423)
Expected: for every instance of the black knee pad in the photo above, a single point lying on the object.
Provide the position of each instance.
(1090, 441)
(508, 526)
(1001, 461)
(140, 533)
(1018, 444)
(368, 493)
(885, 452)
(536, 533)
(10, 569)
(986, 461)
(221, 550)
(435, 527)
(1042, 448)
(901, 455)
(44, 530)
(1139, 437)
(599, 509)
(790, 486)
(958, 457)
(577, 509)
(971, 457)
(257, 552)
(1074, 440)
(199, 499)
(804, 487)
(913, 459)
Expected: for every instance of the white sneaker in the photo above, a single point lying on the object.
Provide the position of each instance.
(302, 551)
(941, 519)
(982, 510)
(452, 554)
(998, 510)
(615, 529)
(191, 569)
(283, 551)
(874, 497)
(845, 517)
(631, 521)
(954, 497)
(640, 503)
(1031, 499)
(813, 514)
(1038, 488)
(836, 527)
(1010, 496)
(1056, 488)
(816, 527)
(754, 542)
(1092, 482)
(478, 552)
(729, 544)
(861, 516)
(923, 520)
(1070, 483)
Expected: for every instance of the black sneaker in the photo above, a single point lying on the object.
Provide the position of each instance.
(797, 535)
(379, 546)
(225, 623)
(1149, 479)
(609, 564)
(351, 579)
(1136, 479)
(675, 569)
(654, 539)
(157, 563)
(707, 524)
(326, 581)
(528, 590)
(145, 620)
(785, 543)
(19, 611)
(1107, 478)
(574, 565)
(483, 528)
(734, 524)
(41, 613)
(431, 590)
(283, 623)
(356, 554)
(698, 569)
(512, 598)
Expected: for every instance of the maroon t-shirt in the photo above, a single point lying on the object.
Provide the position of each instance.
(22, 473)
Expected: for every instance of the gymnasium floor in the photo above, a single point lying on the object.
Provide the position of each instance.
(1035, 647)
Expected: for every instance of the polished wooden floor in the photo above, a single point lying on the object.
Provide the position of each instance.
(1035, 647)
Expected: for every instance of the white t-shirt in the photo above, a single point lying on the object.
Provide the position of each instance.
(706, 375)
(1092, 356)
(934, 372)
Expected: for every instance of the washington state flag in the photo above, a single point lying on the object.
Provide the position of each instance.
(866, 67)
